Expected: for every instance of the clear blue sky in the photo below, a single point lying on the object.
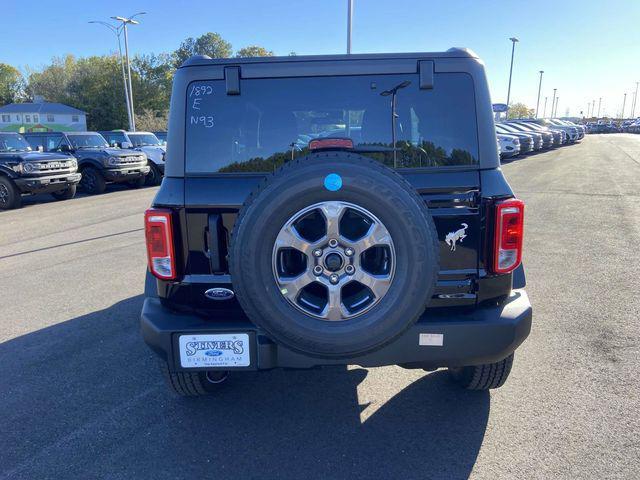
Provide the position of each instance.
(587, 48)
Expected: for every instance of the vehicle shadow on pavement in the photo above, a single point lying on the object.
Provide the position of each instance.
(85, 399)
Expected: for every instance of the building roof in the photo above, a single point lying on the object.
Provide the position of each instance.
(42, 107)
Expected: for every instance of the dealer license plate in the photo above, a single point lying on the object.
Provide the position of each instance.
(220, 350)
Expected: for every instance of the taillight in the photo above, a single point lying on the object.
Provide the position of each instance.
(158, 231)
(507, 249)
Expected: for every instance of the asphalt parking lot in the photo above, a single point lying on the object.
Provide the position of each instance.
(81, 395)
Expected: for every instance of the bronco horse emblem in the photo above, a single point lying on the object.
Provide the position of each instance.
(458, 235)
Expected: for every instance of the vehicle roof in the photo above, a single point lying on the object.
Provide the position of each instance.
(62, 133)
(206, 60)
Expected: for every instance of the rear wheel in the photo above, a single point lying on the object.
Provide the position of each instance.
(193, 384)
(483, 377)
(10, 196)
(92, 181)
(66, 194)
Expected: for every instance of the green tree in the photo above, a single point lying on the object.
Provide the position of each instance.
(254, 51)
(210, 43)
(152, 76)
(92, 84)
(520, 110)
(152, 121)
(11, 84)
(53, 81)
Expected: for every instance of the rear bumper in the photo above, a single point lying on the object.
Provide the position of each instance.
(50, 183)
(125, 174)
(485, 335)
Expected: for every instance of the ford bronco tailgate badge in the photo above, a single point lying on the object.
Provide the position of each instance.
(219, 294)
(458, 235)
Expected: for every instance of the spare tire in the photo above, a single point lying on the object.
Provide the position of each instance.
(335, 255)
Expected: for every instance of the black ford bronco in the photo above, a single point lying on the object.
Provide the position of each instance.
(97, 161)
(334, 210)
(23, 170)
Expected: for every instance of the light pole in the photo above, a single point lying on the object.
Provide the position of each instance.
(599, 105)
(544, 110)
(624, 102)
(539, 88)
(125, 21)
(117, 32)
(553, 101)
(588, 107)
(555, 110)
(349, 20)
(633, 105)
(513, 48)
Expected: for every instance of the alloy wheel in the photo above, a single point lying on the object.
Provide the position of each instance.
(333, 260)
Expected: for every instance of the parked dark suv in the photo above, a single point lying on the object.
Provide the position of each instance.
(23, 170)
(97, 161)
(393, 239)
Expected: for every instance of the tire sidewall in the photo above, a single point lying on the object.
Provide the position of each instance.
(386, 196)
(14, 199)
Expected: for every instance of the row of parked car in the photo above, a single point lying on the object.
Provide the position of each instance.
(527, 135)
(61, 162)
(609, 126)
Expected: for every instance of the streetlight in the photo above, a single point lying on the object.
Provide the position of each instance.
(553, 101)
(117, 32)
(539, 87)
(624, 101)
(633, 106)
(544, 110)
(349, 20)
(513, 48)
(125, 21)
(599, 105)
(555, 110)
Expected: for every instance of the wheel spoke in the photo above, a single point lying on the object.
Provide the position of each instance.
(290, 238)
(332, 212)
(334, 310)
(378, 284)
(377, 235)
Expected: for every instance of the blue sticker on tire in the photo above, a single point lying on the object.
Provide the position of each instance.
(333, 182)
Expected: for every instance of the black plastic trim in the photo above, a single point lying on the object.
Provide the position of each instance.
(484, 335)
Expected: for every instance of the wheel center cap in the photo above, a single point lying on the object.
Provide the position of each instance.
(333, 262)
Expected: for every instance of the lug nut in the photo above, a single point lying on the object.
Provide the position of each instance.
(350, 269)
(333, 243)
(317, 270)
(348, 251)
(334, 279)
(317, 252)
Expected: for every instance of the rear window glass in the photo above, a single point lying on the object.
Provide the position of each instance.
(273, 121)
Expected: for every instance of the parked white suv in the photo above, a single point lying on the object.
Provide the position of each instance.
(145, 142)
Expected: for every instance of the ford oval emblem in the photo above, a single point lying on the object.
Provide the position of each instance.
(219, 294)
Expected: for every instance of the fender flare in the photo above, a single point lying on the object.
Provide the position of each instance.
(89, 162)
(7, 172)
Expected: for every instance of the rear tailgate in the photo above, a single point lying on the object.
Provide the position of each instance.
(211, 206)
